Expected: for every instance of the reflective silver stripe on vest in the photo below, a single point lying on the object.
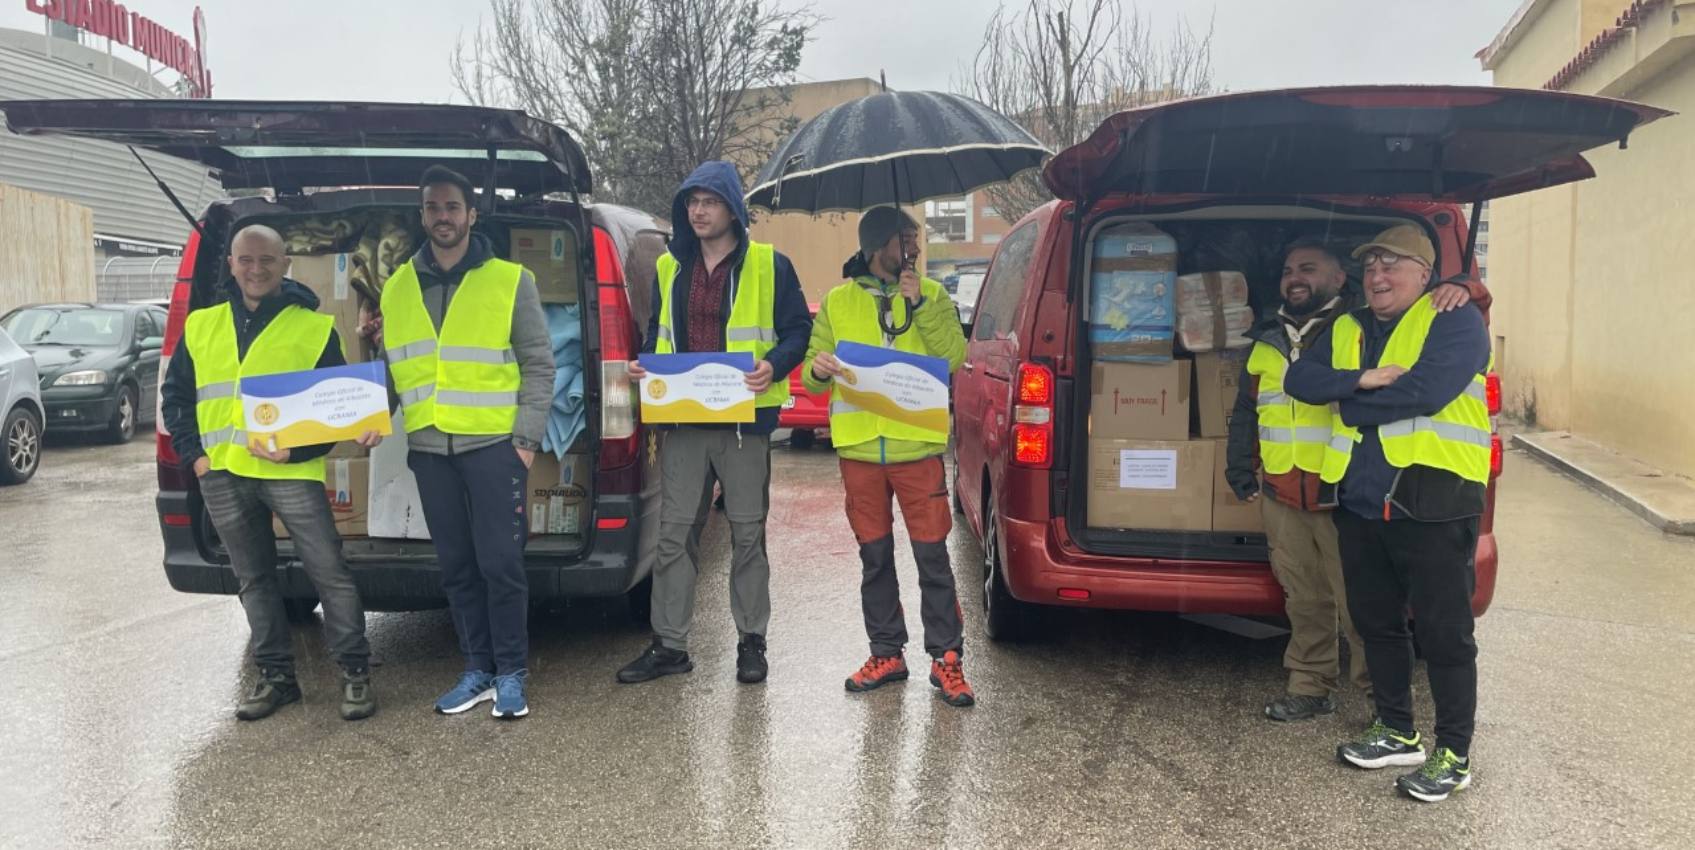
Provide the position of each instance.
(222, 389)
(472, 354)
(222, 436)
(1312, 434)
(1272, 398)
(750, 335)
(839, 406)
(1342, 443)
(1446, 430)
(413, 396)
(1275, 435)
(665, 334)
(411, 350)
(1477, 391)
(466, 398)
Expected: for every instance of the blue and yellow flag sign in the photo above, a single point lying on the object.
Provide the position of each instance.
(682, 388)
(908, 388)
(316, 406)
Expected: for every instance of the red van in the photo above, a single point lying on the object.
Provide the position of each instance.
(328, 163)
(1233, 178)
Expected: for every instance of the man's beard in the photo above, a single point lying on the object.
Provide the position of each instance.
(452, 242)
(1311, 305)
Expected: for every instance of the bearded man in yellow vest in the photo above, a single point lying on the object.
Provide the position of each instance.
(467, 346)
(266, 325)
(1284, 440)
(1410, 450)
(717, 290)
(881, 458)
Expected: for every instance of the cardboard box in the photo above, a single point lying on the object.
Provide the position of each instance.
(347, 482)
(1151, 485)
(1137, 401)
(1218, 376)
(327, 275)
(396, 510)
(550, 255)
(1228, 512)
(557, 498)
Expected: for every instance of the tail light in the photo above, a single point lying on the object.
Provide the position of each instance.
(618, 441)
(1497, 452)
(171, 474)
(1032, 417)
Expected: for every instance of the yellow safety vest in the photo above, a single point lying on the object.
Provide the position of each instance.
(1291, 433)
(852, 310)
(1456, 438)
(464, 380)
(292, 342)
(752, 325)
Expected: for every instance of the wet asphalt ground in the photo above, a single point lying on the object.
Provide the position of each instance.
(1113, 730)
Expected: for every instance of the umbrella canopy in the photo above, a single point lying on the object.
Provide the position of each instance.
(893, 147)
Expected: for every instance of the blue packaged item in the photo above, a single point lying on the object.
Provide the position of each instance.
(1133, 294)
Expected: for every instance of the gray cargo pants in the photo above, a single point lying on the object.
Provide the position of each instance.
(241, 512)
(690, 461)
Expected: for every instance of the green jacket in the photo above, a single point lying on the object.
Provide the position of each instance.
(937, 322)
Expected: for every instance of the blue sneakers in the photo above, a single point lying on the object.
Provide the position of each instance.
(509, 702)
(474, 687)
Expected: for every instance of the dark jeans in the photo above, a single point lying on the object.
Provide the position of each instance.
(474, 507)
(1429, 567)
(241, 511)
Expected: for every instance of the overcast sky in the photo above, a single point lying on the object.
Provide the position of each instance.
(398, 50)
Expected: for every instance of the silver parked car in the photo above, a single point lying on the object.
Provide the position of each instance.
(20, 404)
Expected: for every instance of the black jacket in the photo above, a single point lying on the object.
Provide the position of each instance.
(177, 396)
(792, 317)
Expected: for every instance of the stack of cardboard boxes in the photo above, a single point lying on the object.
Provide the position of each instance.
(1157, 447)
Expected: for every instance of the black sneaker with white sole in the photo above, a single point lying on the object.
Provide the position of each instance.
(1381, 746)
(1442, 774)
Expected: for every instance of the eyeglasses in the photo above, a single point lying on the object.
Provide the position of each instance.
(704, 202)
(1386, 259)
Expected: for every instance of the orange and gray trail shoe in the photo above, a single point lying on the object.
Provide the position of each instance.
(947, 673)
(878, 671)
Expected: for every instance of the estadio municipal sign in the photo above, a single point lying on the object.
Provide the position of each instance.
(138, 32)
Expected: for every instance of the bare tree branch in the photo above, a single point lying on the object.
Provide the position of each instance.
(651, 88)
(1060, 67)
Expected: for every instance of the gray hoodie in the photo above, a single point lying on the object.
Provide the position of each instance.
(530, 344)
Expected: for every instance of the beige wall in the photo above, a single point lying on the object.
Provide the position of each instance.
(1595, 315)
(46, 249)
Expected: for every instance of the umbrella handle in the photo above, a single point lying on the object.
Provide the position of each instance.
(885, 319)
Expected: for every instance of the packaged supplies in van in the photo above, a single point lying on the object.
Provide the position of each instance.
(1132, 294)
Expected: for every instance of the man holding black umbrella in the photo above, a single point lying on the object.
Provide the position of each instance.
(886, 303)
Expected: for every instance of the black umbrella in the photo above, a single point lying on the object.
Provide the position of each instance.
(893, 148)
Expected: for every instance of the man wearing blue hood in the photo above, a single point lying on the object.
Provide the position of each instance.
(268, 324)
(717, 290)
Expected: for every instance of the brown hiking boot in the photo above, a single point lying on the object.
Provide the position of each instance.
(947, 673)
(878, 671)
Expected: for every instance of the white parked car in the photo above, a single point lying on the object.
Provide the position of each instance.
(20, 413)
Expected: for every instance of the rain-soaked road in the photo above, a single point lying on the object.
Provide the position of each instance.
(1118, 730)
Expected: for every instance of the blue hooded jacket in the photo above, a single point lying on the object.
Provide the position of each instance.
(791, 316)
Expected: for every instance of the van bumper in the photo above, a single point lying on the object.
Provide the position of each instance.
(1041, 560)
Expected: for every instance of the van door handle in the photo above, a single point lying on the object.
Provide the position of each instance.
(967, 366)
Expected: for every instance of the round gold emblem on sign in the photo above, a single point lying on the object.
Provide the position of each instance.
(849, 376)
(266, 413)
(655, 389)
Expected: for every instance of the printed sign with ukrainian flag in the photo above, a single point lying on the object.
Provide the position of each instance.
(909, 388)
(316, 406)
(682, 388)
